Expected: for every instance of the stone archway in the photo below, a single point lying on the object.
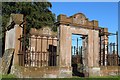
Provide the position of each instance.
(79, 24)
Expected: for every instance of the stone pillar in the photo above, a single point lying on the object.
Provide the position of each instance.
(12, 35)
(64, 49)
(93, 48)
(64, 45)
(85, 50)
(93, 56)
(18, 33)
(106, 52)
(96, 48)
(90, 49)
(104, 47)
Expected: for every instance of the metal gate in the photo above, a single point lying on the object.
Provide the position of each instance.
(37, 51)
(109, 51)
(79, 57)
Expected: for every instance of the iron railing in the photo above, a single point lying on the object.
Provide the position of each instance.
(38, 57)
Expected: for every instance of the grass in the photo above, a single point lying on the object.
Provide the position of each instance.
(10, 76)
(7, 76)
(105, 77)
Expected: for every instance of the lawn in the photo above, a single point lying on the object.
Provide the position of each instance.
(7, 76)
(12, 77)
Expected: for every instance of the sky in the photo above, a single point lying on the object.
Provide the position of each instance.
(84, 0)
(105, 12)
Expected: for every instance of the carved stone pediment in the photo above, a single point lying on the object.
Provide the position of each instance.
(78, 19)
(45, 31)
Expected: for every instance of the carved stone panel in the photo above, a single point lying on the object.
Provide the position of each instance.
(79, 19)
(46, 31)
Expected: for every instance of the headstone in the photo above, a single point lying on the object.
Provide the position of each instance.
(6, 61)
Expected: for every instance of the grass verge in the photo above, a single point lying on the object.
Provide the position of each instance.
(7, 76)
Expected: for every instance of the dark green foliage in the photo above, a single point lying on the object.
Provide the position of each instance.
(37, 14)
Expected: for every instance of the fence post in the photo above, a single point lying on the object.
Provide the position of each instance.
(24, 39)
(117, 47)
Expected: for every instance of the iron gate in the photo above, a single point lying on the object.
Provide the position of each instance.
(109, 51)
(38, 51)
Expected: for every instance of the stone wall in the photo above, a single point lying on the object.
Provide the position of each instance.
(110, 71)
(41, 72)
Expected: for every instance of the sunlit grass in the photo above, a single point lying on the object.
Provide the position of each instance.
(7, 76)
(10, 76)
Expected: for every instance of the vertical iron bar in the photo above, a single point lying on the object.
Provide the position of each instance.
(29, 62)
(47, 55)
(81, 56)
(100, 50)
(107, 53)
(117, 47)
(74, 50)
(110, 48)
(79, 50)
(77, 47)
(113, 54)
(104, 53)
(41, 50)
(36, 52)
(43, 54)
(24, 34)
(113, 48)
(52, 53)
(38, 62)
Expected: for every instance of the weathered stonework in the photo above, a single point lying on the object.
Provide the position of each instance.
(6, 61)
(78, 20)
(12, 35)
(45, 31)
(104, 41)
(109, 70)
(72, 25)
(41, 72)
(76, 24)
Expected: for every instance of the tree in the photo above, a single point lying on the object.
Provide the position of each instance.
(37, 14)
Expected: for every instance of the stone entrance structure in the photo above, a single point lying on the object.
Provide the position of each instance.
(48, 55)
(79, 24)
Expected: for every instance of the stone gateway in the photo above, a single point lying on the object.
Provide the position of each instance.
(44, 53)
